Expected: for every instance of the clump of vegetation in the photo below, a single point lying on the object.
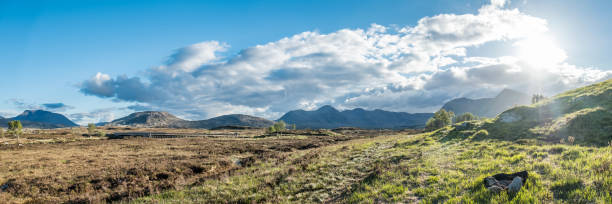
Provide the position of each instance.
(280, 126)
(537, 98)
(440, 119)
(15, 128)
(91, 129)
(465, 117)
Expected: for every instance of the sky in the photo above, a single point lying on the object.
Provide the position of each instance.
(96, 61)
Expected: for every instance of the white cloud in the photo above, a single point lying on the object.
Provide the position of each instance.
(406, 69)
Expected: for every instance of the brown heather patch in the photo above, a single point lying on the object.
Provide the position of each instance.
(99, 170)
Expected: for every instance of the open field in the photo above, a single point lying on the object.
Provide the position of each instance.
(413, 169)
(63, 166)
(348, 166)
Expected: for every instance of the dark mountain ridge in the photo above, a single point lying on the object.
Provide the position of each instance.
(488, 107)
(40, 119)
(328, 117)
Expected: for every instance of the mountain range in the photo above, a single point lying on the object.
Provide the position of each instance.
(488, 107)
(324, 117)
(329, 117)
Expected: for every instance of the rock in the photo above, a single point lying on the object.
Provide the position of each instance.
(511, 182)
(516, 185)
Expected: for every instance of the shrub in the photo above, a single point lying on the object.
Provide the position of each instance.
(440, 119)
(271, 129)
(280, 126)
(570, 140)
(14, 127)
(91, 129)
(465, 117)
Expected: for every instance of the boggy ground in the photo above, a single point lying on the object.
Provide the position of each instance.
(100, 170)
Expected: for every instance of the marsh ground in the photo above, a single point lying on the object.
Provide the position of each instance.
(64, 166)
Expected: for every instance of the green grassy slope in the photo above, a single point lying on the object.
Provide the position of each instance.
(585, 114)
(413, 169)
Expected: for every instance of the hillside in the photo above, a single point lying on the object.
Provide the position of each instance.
(488, 107)
(40, 119)
(45, 117)
(148, 119)
(31, 124)
(167, 120)
(231, 120)
(328, 117)
(584, 114)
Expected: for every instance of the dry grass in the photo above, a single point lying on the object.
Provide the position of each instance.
(81, 169)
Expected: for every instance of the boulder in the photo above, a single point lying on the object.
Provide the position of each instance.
(516, 185)
(511, 182)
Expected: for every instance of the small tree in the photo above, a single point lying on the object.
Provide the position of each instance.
(293, 127)
(271, 130)
(280, 126)
(91, 129)
(537, 98)
(440, 119)
(465, 117)
(14, 127)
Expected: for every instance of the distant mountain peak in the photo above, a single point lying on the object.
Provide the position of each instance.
(506, 92)
(148, 119)
(488, 107)
(43, 116)
(327, 108)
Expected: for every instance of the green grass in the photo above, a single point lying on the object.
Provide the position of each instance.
(414, 169)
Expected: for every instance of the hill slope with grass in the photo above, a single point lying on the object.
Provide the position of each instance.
(583, 115)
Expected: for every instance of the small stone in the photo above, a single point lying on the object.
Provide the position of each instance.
(516, 185)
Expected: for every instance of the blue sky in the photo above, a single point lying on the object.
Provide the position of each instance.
(50, 50)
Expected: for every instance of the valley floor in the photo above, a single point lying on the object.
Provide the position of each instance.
(393, 168)
(412, 169)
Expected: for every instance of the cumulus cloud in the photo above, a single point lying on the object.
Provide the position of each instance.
(95, 116)
(412, 69)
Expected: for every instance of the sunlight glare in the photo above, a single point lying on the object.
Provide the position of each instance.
(540, 51)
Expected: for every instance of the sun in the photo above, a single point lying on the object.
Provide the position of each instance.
(540, 51)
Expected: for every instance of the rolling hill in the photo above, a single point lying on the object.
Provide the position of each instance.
(328, 117)
(488, 107)
(167, 120)
(40, 119)
(584, 114)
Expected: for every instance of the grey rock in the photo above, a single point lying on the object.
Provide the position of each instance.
(516, 185)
